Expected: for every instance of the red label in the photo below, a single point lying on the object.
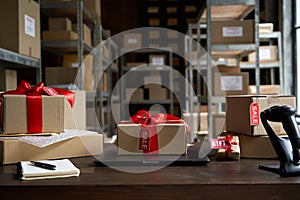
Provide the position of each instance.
(144, 140)
(254, 114)
(218, 143)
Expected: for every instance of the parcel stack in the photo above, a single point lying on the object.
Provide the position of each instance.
(38, 110)
(243, 120)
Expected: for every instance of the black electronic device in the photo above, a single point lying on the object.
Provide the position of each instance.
(287, 150)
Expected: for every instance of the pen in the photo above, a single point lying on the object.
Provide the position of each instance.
(43, 165)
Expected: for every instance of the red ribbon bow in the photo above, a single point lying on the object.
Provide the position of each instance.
(34, 102)
(148, 140)
(229, 144)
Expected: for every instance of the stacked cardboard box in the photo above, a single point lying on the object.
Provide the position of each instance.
(229, 80)
(20, 22)
(153, 84)
(60, 29)
(8, 79)
(243, 120)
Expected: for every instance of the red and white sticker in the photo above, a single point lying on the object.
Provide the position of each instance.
(219, 143)
(144, 140)
(254, 114)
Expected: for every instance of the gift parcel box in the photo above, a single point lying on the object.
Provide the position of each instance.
(171, 138)
(242, 113)
(17, 119)
(13, 150)
(232, 152)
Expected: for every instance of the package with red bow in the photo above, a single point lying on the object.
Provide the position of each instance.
(158, 134)
(34, 109)
(228, 147)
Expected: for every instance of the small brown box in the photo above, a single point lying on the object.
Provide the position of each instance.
(158, 93)
(233, 32)
(265, 89)
(87, 35)
(171, 139)
(231, 83)
(132, 40)
(266, 54)
(256, 147)
(132, 94)
(60, 24)
(154, 35)
(8, 79)
(59, 35)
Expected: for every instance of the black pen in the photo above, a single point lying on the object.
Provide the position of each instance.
(43, 165)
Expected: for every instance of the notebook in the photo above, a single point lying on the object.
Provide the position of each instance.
(64, 168)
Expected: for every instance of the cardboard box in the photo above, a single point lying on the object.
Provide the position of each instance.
(241, 109)
(152, 80)
(154, 22)
(171, 139)
(135, 64)
(197, 117)
(132, 40)
(154, 35)
(266, 54)
(229, 154)
(15, 114)
(265, 27)
(59, 35)
(71, 60)
(158, 94)
(60, 24)
(219, 123)
(233, 32)
(20, 22)
(133, 94)
(172, 22)
(60, 75)
(226, 69)
(86, 32)
(256, 147)
(8, 79)
(13, 150)
(265, 89)
(157, 59)
(173, 46)
(231, 83)
(171, 34)
(75, 118)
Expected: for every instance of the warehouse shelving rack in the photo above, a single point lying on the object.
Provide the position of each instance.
(272, 37)
(216, 10)
(150, 67)
(14, 60)
(76, 11)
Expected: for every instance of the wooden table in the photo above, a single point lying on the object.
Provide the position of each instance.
(218, 180)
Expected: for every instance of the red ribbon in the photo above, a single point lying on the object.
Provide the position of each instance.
(148, 140)
(229, 144)
(34, 102)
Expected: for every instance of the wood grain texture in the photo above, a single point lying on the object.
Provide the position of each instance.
(218, 180)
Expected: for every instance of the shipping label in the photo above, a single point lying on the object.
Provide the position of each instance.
(29, 24)
(231, 83)
(232, 31)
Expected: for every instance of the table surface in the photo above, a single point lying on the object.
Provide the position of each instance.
(217, 180)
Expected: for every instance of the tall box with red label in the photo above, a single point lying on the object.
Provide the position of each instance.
(242, 113)
(243, 120)
(20, 27)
